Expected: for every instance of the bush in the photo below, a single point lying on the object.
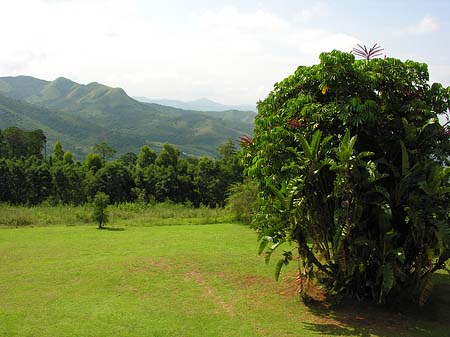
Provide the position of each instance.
(353, 167)
(242, 201)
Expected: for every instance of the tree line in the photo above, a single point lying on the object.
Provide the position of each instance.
(28, 176)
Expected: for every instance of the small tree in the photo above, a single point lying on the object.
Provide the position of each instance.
(58, 152)
(100, 214)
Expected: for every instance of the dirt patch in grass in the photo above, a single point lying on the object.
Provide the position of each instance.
(294, 285)
(148, 265)
(210, 293)
(249, 281)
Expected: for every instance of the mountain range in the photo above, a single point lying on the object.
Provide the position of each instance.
(83, 115)
(202, 104)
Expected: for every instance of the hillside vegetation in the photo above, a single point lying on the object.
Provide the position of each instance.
(82, 115)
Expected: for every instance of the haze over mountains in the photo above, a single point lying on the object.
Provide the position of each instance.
(202, 104)
(83, 115)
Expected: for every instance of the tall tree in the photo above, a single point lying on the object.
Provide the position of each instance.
(168, 156)
(58, 152)
(115, 180)
(129, 159)
(68, 158)
(15, 144)
(104, 151)
(146, 157)
(36, 143)
(93, 162)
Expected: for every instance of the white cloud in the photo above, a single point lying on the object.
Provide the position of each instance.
(232, 20)
(317, 10)
(228, 55)
(428, 24)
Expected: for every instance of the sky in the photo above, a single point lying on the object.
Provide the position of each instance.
(231, 51)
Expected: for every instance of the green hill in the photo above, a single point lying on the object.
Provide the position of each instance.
(83, 115)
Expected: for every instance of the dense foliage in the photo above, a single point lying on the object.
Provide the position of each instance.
(354, 168)
(17, 143)
(145, 177)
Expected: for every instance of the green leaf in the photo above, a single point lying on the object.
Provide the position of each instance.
(351, 144)
(277, 193)
(346, 147)
(315, 142)
(410, 130)
(306, 147)
(431, 121)
(278, 267)
(345, 139)
(405, 159)
(271, 250)
(444, 229)
(264, 242)
(365, 154)
(282, 262)
(388, 278)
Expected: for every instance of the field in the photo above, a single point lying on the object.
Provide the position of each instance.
(174, 275)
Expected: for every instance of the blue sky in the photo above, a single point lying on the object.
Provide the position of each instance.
(229, 51)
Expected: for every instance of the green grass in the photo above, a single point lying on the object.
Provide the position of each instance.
(126, 214)
(170, 281)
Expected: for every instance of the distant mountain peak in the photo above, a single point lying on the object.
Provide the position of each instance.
(63, 79)
(94, 84)
(201, 104)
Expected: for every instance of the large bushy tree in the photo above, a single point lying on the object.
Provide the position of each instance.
(115, 180)
(354, 168)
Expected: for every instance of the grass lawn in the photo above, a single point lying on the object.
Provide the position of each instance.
(203, 280)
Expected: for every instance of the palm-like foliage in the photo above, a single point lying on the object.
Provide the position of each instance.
(368, 54)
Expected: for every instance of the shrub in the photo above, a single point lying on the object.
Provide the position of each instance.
(242, 201)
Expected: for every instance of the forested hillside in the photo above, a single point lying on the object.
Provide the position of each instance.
(83, 115)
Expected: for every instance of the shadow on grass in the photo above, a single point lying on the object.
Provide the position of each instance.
(114, 229)
(365, 320)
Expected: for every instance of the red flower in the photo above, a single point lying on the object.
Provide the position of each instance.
(246, 140)
(295, 123)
